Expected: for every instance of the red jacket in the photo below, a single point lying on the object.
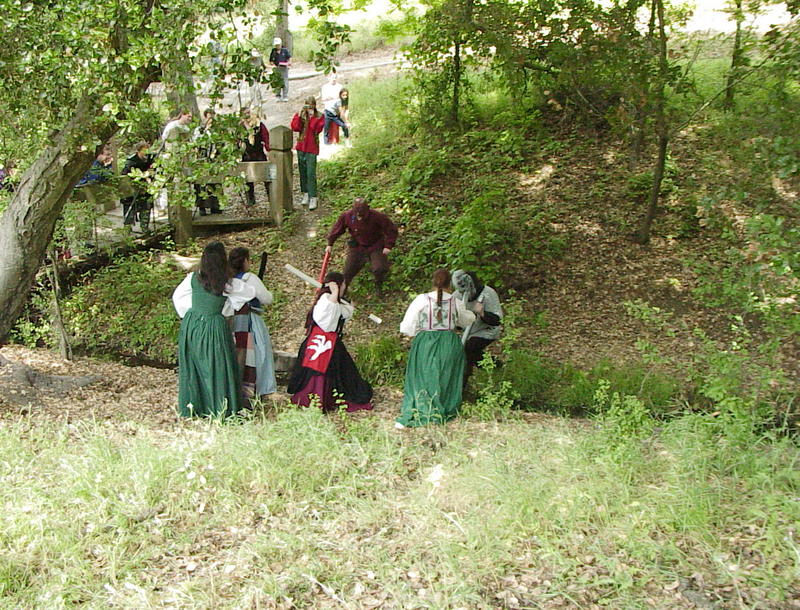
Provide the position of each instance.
(310, 143)
(374, 232)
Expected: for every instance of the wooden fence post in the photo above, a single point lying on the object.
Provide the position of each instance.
(280, 196)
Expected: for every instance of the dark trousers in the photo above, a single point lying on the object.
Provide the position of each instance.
(473, 351)
(356, 259)
(331, 117)
(137, 208)
(251, 192)
(205, 198)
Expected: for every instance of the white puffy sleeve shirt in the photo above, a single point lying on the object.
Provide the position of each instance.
(263, 295)
(237, 292)
(327, 312)
(416, 317)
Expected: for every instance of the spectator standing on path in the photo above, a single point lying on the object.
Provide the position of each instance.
(175, 131)
(259, 68)
(101, 170)
(205, 194)
(256, 147)
(343, 112)
(329, 95)
(6, 174)
(372, 236)
(137, 206)
(280, 57)
(309, 123)
(335, 113)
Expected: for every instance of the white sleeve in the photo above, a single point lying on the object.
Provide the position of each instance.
(410, 324)
(347, 310)
(167, 131)
(182, 296)
(238, 293)
(263, 295)
(326, 313)
(464, 316)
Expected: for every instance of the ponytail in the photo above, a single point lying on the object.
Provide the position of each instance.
(441, 280)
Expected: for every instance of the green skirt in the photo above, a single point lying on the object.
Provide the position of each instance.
(434, 377)
(208, 374)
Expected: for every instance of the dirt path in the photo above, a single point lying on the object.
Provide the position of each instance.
(302, 84)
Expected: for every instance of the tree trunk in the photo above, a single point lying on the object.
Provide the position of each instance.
(737, 59)
(642, 110)
(26, 226)
(643, 235)
(64, 347)
(282, 25)
(456, 83)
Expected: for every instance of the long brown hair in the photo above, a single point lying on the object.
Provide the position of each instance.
(311, 102)
(331, 276)
(214, 272)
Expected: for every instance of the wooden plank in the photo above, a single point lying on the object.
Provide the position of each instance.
(251, 171)
(218, 220)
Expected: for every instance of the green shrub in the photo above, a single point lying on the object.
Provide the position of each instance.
(126, 309)
(530, 376)
(34, 327)
(624, 417)
(496, 396)
(542, 385)
(382, 361)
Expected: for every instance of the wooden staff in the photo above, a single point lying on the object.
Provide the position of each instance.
(325, 260)
(318, 285)
(262, 268)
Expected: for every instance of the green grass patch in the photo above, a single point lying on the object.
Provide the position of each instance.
(382, 360)
(313, 508)
(542, 385)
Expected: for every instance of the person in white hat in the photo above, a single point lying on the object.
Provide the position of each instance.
(281, 59)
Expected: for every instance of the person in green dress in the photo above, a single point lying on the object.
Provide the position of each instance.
(432, 389)
(208, 377)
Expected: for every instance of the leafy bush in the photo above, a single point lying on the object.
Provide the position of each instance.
(33, 328)
(639, 185)
(496, 397)
(624, 417)
(542, 385)
(126, 309)
(382, 361)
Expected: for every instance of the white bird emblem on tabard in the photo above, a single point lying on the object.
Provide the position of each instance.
(319, 345)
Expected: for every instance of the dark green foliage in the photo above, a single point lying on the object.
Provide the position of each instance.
(543, 385)
(382, 361)
(640, 185)
(125, 311)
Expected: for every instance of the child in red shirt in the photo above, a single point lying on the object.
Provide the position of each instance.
(309, 123)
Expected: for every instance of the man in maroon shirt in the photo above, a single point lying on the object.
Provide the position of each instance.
(372, 236)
